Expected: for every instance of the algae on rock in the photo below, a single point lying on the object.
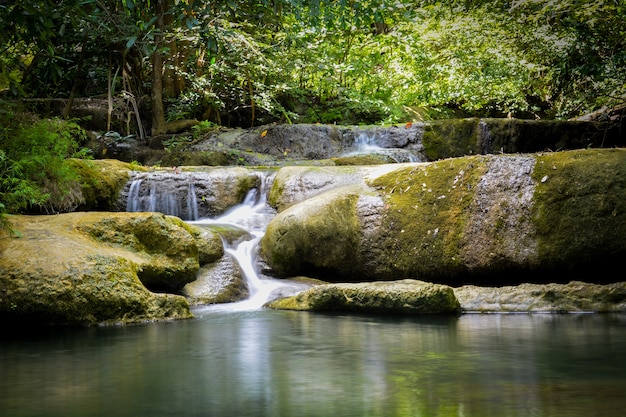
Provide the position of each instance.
(406, 296)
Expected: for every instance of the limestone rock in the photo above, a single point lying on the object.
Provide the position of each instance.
(575, 296)
(166, 245)
(406, 296)
(187, 192)
(87, 268)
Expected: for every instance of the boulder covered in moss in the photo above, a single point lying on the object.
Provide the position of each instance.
(406, 297)
(458, 137)
(167, 245)
(88, 268)
(496, 219)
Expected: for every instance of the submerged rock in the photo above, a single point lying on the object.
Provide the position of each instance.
(406, 296)
(89, 268)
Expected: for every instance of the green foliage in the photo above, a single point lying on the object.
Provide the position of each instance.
(375, 61)
(33, 175)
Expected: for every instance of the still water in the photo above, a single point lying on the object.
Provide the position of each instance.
(280, 363)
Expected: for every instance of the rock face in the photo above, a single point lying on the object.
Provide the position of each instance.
(479, 219)
(281, 145)
(88, 268)
(219, 282)
(406, 297)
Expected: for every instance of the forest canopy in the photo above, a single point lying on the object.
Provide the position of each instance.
(248, 63)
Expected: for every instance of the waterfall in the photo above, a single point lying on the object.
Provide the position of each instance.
(192, 202)
(165, 193)
(379, 142)
(175, 194)
(253, 215)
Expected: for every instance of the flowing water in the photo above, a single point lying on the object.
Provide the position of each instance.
(369, 142)
(240, 360)
(252, 216)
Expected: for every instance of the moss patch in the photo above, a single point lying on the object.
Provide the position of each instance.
(297, 240)
(102, 180)
(450, 138)
(580, 205)
(426, 207)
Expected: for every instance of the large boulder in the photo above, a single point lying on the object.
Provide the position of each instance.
(496, 219)
(88, 268)
(406, 297)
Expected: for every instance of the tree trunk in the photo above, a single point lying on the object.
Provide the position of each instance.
(158, 112)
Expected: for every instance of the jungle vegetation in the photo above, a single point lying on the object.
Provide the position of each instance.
(248, 63)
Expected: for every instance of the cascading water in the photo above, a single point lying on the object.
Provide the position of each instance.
(148, 193)
(369, 142)
(253, 215)
(166, 193)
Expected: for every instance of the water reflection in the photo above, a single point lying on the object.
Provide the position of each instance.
(273, 363)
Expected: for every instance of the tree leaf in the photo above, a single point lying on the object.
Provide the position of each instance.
(131, 41)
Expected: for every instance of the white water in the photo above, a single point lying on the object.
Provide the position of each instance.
(253, 215)
(366, 142)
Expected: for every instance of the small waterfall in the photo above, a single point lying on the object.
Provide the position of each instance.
(165, 193)
(365, 142)
(192, 202)
(253, 215)
(132, 204)
(369, 142)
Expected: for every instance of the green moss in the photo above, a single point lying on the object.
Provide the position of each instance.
(427, 206)
(580, 204)
(363, 160)
(450, 138)
(102, 181)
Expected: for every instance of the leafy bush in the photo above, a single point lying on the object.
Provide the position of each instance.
(33, 174)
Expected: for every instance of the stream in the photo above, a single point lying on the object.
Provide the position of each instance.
(298, 364)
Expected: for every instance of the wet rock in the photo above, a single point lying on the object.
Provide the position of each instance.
(219, 282)
(189, 193)
(496, 220)
(406, 297)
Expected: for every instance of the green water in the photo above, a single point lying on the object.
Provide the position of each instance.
(277, 363)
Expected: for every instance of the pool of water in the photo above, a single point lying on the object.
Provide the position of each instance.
(281, 363)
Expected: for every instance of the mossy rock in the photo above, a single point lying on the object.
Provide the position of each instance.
(57, 273)
(167, 242)
(399, 297)
(450, 138)
(218, 282)
(580, 206)
(304, 239)
(489, 219)
(101, 181)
